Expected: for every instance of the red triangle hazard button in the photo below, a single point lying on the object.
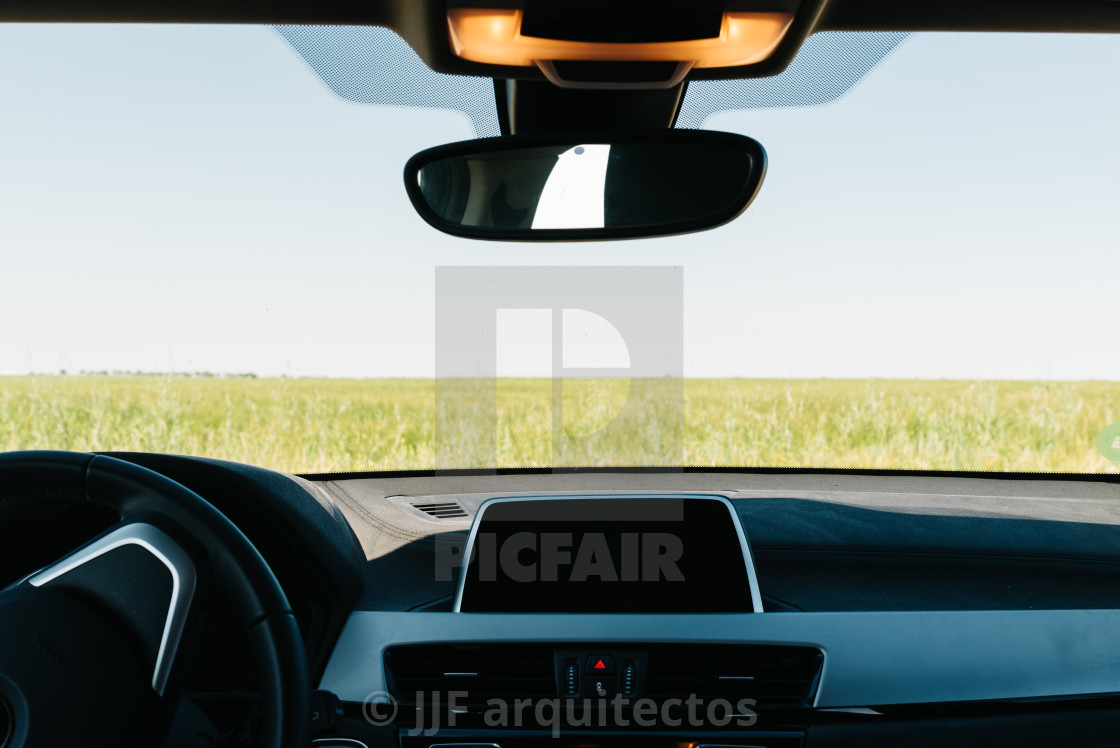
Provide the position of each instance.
(599, 665)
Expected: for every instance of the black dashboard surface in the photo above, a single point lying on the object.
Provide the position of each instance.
(822, 542)
(861, 553)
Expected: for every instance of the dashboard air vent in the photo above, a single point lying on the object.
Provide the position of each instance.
(478, 672)
(466, 679)
(772, 675)
(441, 509)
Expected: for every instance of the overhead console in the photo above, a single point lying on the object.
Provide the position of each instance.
(608, 554)
(618, 44)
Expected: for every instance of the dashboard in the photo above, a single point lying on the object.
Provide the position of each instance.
(815, 608)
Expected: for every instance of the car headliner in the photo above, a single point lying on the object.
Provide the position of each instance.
(421, 22)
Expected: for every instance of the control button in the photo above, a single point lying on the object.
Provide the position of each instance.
(598, 686)
(599, 665)
(571, 679)
(326, 712)
(628, 687)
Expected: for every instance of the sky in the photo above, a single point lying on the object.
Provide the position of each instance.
(180, 198)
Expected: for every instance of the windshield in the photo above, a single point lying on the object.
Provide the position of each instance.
(208, 249)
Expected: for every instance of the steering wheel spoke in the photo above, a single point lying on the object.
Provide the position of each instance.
(141, 576)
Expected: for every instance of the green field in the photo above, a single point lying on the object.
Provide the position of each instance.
(333, 425)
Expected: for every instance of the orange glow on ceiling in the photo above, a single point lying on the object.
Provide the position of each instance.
(494, 37)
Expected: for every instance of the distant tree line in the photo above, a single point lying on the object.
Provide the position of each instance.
(176, 374)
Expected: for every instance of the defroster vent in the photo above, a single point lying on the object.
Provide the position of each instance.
(441, 509)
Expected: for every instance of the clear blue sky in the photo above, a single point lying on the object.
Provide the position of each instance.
(194, 198)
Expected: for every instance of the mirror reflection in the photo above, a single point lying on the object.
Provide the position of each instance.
(587, 185)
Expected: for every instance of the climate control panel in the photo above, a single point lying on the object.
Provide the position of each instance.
(599, 673)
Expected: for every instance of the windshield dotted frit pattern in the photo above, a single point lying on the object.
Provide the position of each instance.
(372, 65)
(827, 66)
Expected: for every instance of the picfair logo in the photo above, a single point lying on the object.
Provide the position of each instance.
(591, 359)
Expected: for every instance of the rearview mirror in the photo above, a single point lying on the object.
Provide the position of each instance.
(586, 186)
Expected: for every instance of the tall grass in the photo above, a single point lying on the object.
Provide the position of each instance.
(332, 425)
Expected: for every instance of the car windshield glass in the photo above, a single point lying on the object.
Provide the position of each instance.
(208, 249)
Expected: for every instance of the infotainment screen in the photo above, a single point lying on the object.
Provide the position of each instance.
(606, 555)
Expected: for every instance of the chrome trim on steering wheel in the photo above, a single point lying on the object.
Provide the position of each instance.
(170, 553)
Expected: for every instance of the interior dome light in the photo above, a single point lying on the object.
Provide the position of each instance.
(494, 37)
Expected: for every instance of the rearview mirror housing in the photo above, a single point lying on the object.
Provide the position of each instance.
(586, 186)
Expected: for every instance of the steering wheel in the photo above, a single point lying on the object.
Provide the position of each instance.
(92, 645)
